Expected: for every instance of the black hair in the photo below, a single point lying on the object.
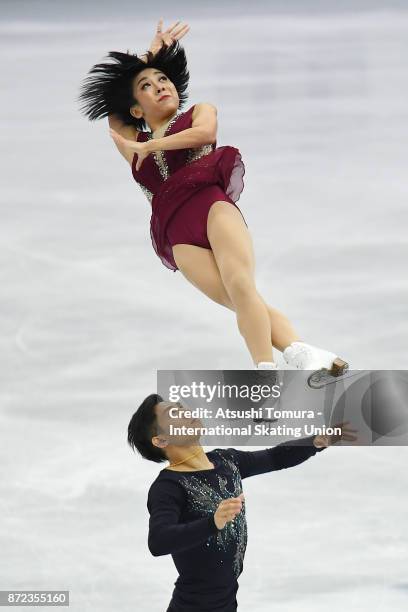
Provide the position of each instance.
(142, 427)
(108, 88)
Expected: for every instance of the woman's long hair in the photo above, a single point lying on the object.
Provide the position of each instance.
(108, 88)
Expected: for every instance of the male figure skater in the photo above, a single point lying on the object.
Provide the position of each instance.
(196, 503)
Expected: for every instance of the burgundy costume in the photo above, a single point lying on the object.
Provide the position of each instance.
(181, 186)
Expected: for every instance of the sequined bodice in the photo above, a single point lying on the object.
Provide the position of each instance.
(203, 498)
(158, 166)
(203, 492)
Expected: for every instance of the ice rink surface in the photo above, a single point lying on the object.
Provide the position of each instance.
(315, 97)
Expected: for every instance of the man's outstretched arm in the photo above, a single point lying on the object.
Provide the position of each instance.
(288, 454)
(285, 455)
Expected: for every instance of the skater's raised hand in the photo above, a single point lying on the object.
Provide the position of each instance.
(131, 147)
(173, 32)
(347, 433)
(228, 510)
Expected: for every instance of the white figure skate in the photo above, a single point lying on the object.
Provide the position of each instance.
(302, 356)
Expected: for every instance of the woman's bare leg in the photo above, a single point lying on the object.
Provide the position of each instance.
(232, 247)
(226, 274)
(199, 267)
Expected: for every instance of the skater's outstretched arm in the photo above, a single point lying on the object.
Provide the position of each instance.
(288, 454)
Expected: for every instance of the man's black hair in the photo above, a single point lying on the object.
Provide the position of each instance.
(142, 427)
(108, 88)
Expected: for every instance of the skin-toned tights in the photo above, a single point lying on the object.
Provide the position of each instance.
(226, 275)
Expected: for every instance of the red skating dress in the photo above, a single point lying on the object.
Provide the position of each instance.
(181, 186)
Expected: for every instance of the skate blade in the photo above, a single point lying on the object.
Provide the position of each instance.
(322, 378)
(339, 367)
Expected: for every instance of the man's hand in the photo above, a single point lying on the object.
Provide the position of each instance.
(346, 433)
(174, 32)
(131, 147)
(227, 510)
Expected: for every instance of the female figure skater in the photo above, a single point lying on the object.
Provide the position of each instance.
(192, 185)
